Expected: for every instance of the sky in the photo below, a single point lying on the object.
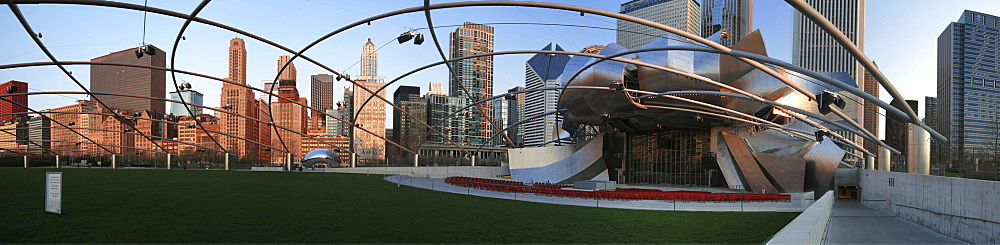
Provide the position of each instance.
(901, 39)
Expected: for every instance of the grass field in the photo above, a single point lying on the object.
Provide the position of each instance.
(160, 206)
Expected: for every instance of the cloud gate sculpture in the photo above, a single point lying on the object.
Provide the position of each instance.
(683, 117)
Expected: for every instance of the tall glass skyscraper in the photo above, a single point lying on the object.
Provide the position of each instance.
(969, 82)
(190, 96)
(733, 15)
(475, 75)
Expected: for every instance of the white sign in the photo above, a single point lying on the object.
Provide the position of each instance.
(53, 192)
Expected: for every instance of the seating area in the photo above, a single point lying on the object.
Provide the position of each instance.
(548, 189)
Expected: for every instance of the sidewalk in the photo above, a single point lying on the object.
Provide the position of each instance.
(853, 223)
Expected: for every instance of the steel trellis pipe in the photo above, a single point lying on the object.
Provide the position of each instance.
(173, 73)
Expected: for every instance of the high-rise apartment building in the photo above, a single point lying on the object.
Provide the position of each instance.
(83, 118)
(191, 97)
(474, 76)
(239, 100)
(439, 107)
(40, 132)
(406, 132)
(541, 71)
(968, 82)
(930, 112)
(733, 15)
(131, 80)
(6, 107)
(369, 146)
(321, 91)
(896, 131)
(290, 116)
(515, 113)
(684, 15)
(289, 73)
(870, 119)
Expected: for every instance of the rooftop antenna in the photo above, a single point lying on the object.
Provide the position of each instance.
(144, 5)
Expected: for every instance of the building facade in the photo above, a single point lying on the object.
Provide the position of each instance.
(896, 131)
(733, 15)
(292, 118)
(541, 71)
(515, 113)
(191, 97)
(82, 118)
(813, 49)
(870, 119)
(7, 108)
(474, 76)
(238, 99)
(439, 107)
(684, 15)
(130, 80)
(969, 83)
(290, 72)
(40, 132)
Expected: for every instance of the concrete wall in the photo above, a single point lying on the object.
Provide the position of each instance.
(810, 226)
(433, 172)
(964, 209)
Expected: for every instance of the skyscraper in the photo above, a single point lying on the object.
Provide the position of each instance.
(321, 91)
(289, 115)
(541, 71)
(239, 100)
(289, 73)
(871, 117)
(40, 132)
(681, 14)
(475, 75)
(813, 49)
(515, 113)
(372, 117)
(408, 132)
(930, 112)
(896, 130)
(6, 107)
(191, 97)
(733, 15)
(967, 82)
(130, 80)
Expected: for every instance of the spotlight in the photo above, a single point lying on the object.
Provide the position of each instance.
(138, 53)
(39, 35)
(183, 38)
(419, 39)
(149, 50)
(826, 99)
(406, 36)
(617, 86)
(12, 89)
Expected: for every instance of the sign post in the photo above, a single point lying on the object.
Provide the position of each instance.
(53, 192)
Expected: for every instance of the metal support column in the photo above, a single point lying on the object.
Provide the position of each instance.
(416, 160)
(869, 162)
(227, 160)
(473, 159)
(57, 161)
(288, 161)
(25, 161)
(354, 159)
(114, 161)
(884, 157)
(168, 161)
(918, 154)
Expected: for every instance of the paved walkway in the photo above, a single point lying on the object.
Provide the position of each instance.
(796, 205)
(853, 223)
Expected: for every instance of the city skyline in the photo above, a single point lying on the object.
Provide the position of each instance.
(206, 41)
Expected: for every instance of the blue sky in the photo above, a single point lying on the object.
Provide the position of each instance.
(901, 38)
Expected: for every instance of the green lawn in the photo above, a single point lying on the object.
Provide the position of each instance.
(161, 206)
